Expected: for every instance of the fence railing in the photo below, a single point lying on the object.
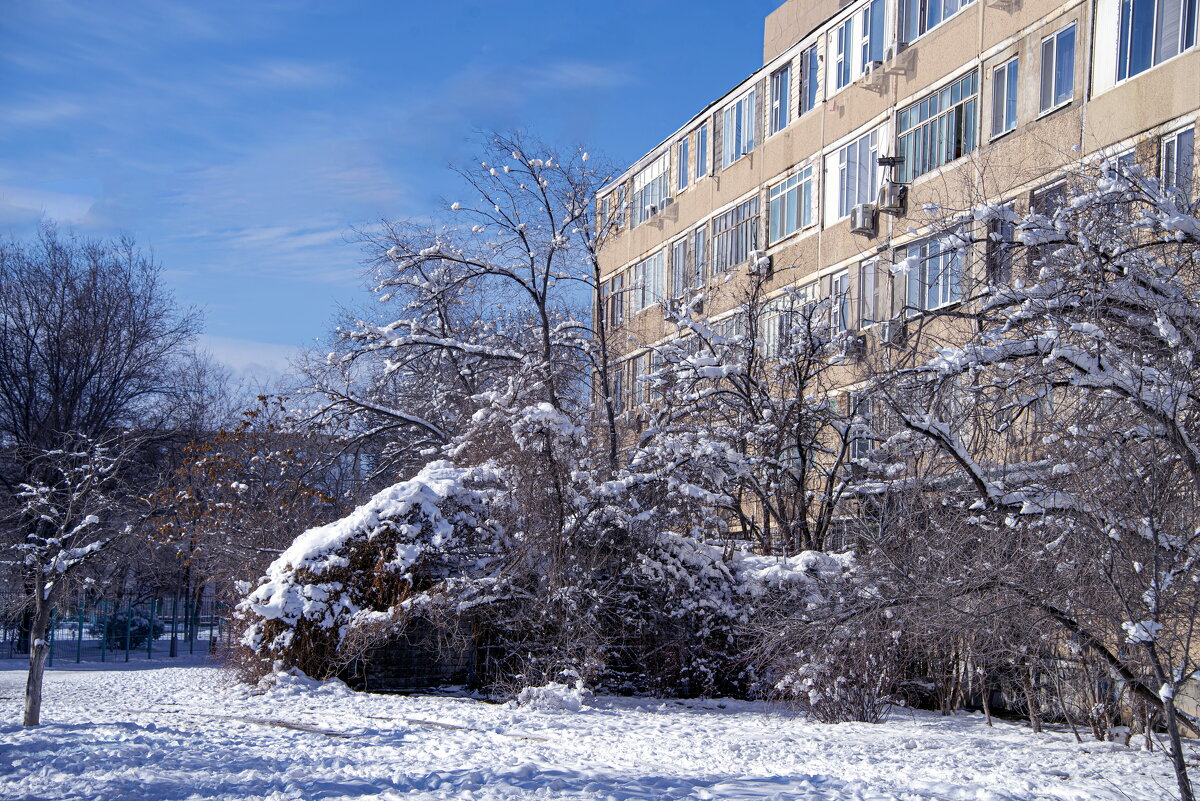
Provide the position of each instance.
(85, 629)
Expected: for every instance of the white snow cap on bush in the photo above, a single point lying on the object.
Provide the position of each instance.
(554, 697)
(287, 596)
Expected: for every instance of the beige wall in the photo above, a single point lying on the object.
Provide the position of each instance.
(981, 36)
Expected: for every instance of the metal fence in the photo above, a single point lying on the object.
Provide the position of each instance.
(85, 629)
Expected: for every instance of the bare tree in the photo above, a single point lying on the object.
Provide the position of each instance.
(89, 344)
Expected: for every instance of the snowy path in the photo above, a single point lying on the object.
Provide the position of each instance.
(190, 733)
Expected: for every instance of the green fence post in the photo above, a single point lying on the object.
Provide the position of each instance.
(78, 631)
(103, 628)
(128, 621)
(150, 635)
(191, 624)
(53, 620)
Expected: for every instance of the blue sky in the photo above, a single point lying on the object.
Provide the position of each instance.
(242, 141)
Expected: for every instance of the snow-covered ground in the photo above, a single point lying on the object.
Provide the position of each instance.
(192, 733)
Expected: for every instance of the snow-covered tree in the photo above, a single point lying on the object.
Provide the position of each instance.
(1072, 416)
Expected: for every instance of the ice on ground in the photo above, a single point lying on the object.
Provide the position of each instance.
(193, 733)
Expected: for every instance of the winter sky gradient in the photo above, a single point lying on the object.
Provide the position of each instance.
(242, 141)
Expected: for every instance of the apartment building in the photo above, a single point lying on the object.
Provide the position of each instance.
(862, 113)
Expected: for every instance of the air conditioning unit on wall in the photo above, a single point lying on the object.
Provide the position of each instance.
(862, 219)
(891, 198)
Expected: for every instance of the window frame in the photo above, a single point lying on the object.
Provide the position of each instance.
(837, 174)
(648, 193)
(1170, 183)
(649, 281)
(1011, 70)
(808, 93)
(1125, 36)
(741, 113)
(805, 217)
(946, 279)
(779, 116)
(923, 7)
(956, 137)
(702, 151)
(1055, 90)
(839, 301)
(745, 213)
(682, 157)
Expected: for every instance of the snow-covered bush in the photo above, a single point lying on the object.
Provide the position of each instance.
(553, 697)
(371, 569)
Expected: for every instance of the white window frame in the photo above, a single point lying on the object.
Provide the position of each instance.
(738, 118)
(872, 293)
(936, 278)
(1168, 161)
(651, 186)
(839, 301)
(1157, 56)
(649, 276)
(808, 88)
(702, 151)
(1054, 40)
(779, 115)
(732, 245)
(929, 142)
(842, 47)
(790, 200)
(908, 34)
(839, 178)
(681, 164)
(1005, 84)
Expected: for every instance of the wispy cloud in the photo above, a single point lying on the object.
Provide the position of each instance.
(20, 203)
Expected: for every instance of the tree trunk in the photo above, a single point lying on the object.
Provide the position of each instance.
(39, 652)
(1177, 756)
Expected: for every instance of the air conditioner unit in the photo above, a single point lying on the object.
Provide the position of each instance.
(862, 219)
(667, 201)
(856, 347)
(892, 195)
(893, 332)
(871, 66)
(651, 210)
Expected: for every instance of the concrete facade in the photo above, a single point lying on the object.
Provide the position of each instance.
(1098, 114)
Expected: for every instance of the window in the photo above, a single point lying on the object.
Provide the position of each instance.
(1152, 31)
(735, 234)
(790, 205)
(872, 34)
(919, 16)
(940, 128)
(998, 250)
(780, 110)
(700, 255)
(702, 151)
(681, 159)
(612, 209)
(841, 57)
(737, 129)
(681, 279)
(1004, 98)
(872, 298)
(687, 263)
(1058, 68)
(839, 301)
(650, 189)
(1178, 155)
(810, 81)
(934, 279)
(648, 275)
(775, 325)
(612, 300)
(853, 172)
